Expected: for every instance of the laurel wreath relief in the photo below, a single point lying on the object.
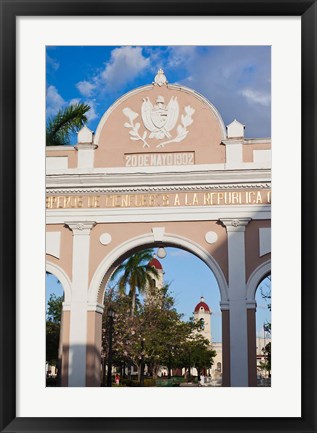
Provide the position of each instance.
(182, 131)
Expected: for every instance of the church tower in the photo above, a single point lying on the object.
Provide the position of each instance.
(153, 293)
(202, 312)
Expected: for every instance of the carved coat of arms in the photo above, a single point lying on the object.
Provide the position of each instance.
(159, 120)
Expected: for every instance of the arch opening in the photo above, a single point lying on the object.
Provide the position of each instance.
(263, 331)
(55, 295)
(183, 283)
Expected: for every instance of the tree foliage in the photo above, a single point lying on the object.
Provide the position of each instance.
(68, 120)
(266, 364)
(54, 308)
(53, 323)
(155, 334)
(135, 275)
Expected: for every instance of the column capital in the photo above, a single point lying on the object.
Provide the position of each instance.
(81, 227)
(224, 306)
(95, 307)
(251, 305)
(235, 224)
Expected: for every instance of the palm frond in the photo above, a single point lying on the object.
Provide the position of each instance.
(68, 120)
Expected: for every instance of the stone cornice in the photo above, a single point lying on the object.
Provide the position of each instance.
(157, 189)
(160, 181)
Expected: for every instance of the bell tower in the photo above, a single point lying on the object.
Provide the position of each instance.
(202, 312)
(153, 293)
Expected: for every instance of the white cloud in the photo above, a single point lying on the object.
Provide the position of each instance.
(92, 113)
(125, 65)
(254, 96)
(179, 55)
(74, 101)
(221, 74)
(86, 88)
(54, 101)
(53, 63)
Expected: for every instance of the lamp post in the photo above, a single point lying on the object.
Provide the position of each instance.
(170, 353)
(110, 319)
(142, 363)
(103, 357)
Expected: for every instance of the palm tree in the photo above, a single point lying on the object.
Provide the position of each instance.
(135, 273)
(67, 120)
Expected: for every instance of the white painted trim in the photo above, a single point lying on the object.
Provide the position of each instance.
(150, 87)
(146, 239)
(56, 163)
(53, 244)
(264, 240)
(63, 278)
(255, 278)
(264, 140)
(262, 156)
(61, 148)
(194, 178)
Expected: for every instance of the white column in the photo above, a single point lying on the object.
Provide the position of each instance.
(78, 308)
(237, 300)
(234, 153)
(86, 155)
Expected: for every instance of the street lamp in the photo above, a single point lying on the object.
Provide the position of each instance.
(142, 363)
(110, 314)
(161, 253)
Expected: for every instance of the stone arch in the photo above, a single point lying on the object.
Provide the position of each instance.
(63, 278)
(95, 289)
(255, 278)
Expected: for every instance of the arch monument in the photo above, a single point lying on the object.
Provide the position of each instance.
(161, 169)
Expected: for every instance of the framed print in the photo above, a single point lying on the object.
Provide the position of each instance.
(140, 145)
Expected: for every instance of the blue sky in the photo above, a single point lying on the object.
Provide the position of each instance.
(236, 79)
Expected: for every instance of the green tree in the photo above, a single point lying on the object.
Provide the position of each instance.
(54, 308)
(201, 353)
(266, 364)
(163, 332)
(135, 274)
(68, 120)
(53, 323)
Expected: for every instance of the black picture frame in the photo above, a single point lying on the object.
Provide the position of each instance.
(10, 9)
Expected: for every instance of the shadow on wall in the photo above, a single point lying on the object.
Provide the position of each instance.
(81, 366)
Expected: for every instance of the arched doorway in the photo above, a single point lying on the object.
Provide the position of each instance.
(263, 332)
(116, 257)
(58, 299)
(259, 275)
(184, 294)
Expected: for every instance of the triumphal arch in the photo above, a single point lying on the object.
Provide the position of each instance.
(161, 169)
